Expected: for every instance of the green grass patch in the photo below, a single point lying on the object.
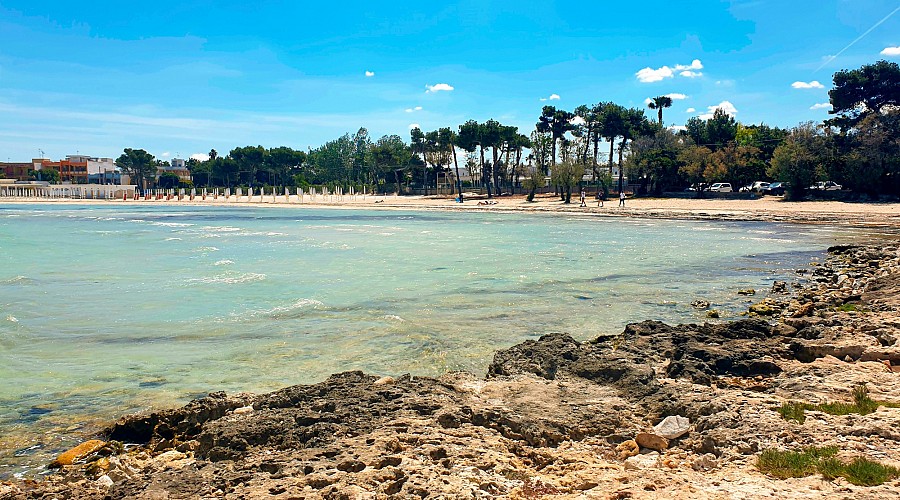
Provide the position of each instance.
(785, 464)
(791, 410)
(848, 307)
(862, 405)
(812, 460)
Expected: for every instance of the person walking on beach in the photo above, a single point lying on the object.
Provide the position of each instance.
(583, 204)
(600, 199)
(621, 198)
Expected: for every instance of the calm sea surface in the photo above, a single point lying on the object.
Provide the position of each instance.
(111, 309)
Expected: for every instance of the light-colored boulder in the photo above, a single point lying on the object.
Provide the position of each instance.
(673, 426)
(642, 461)
(651, 441)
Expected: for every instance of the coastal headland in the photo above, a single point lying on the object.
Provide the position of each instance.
(707, 410)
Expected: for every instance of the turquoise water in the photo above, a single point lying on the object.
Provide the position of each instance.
(111, 309)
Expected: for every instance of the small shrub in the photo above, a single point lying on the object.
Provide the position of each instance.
(861, 471)
(864, 472)
(792, 411)
(785, 464)
(848, 307)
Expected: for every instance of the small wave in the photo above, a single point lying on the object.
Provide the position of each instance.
(206, 249)
(223, 262)
(230, 278)
(394, 317)
(280, 311)
(172, 224)
(222, 229)
(16, 280)
(173, 239)
(12, 318)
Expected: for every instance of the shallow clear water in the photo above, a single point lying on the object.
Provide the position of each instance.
(111, 309)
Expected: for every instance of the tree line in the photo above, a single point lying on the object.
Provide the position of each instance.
(859, 148)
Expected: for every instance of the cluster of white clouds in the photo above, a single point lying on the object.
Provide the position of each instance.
(808, 85)
(417, 108)
(650, 75)
(725, 106)
(200, 156)
(891, 51)
(370, 74)
(440, 87)
(821, 105)
(690, 110)
(553, 97)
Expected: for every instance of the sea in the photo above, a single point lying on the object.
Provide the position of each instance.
(112, 309)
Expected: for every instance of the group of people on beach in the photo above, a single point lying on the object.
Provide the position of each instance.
(600, 199)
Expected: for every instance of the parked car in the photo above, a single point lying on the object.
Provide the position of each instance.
(756, 187)
(776, 188)
(720, 187)
(827, 186)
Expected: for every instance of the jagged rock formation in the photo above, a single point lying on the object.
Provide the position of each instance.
(553, 418)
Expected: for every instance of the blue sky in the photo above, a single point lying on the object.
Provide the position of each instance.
(183, 77)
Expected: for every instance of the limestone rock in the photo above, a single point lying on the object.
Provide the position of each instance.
(672, 427)
(700, 304)
(627, 449)
(78, 452)
(705, 462)
(642, 461)
(747, 291)
(651, 441)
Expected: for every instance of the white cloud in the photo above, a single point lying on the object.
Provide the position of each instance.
(438, 88)
(577, 121)
(553, 97)
(414, 125)
(370, 74)
(821, 105)
(650, 75)
(695, 64)
(676, 97)
(690, 110)
(648, 100)
(677, 128)
(200, 156)
(166, 154)
(725, 106)
(417, 108)
(891, 51)
(810, 85)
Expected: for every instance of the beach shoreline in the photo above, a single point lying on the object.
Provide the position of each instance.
(767, 208)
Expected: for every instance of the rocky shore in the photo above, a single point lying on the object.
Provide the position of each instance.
(656, 411)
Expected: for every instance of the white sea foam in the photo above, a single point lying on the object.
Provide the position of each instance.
(173, 224)
(222, 229)
(15, 279)
(11, 318)
(223, 262)
(394, 317)
(230, 278)
(173, 239)
(206, 249)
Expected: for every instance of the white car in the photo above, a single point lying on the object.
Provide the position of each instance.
(720, 187)
(827, 186)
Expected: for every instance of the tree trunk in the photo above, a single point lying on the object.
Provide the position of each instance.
(612, 141)
(397, 179)
(621, 172)
(660, 116)
(458, 180)
(485, 175)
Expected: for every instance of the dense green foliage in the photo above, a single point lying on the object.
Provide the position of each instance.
(859, 148)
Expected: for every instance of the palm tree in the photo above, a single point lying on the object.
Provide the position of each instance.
(658, 103)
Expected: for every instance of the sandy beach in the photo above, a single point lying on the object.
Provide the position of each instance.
(766, 208)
